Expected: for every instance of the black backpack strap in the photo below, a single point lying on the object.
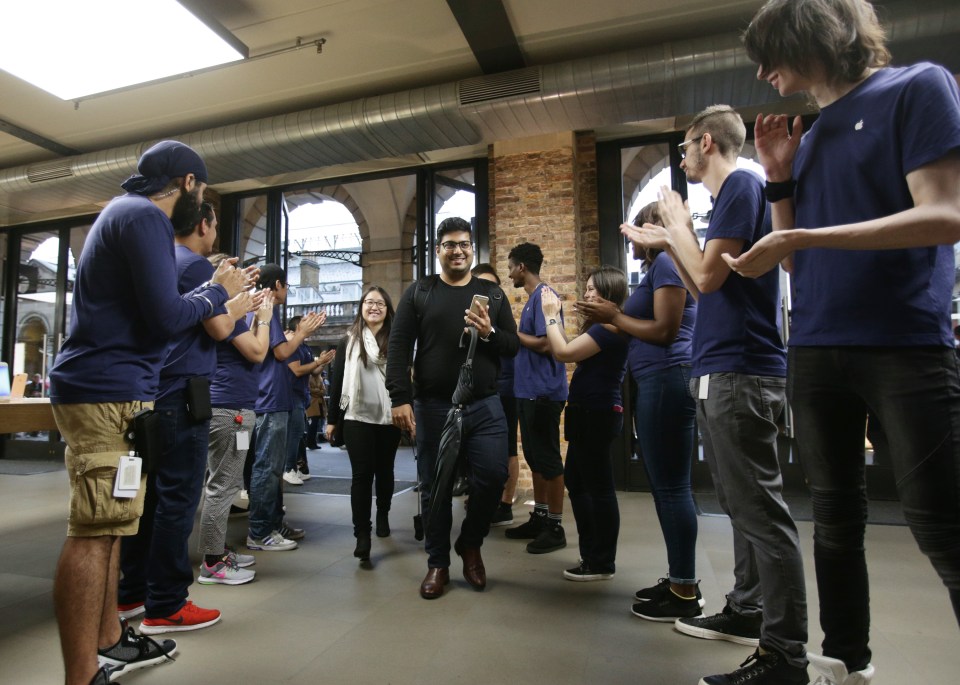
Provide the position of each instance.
(424, 286)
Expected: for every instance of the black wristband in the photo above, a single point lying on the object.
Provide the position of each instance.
(775, 192)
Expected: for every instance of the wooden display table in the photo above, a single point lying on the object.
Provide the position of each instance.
(26, 414)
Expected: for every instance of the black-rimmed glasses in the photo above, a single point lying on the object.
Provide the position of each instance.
(451, 245)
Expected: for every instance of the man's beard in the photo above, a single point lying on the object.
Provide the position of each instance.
(186, 211)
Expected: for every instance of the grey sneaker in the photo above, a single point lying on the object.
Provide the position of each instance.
(550, 539)
(241, 560)
(271, 543)
(662, 586)
(224, 572)
(133, 652)
(729, 626)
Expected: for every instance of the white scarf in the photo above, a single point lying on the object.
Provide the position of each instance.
(353, 363)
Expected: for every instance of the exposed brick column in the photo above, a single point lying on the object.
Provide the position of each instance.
(543, 190)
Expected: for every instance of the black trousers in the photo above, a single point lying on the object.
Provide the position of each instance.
(372, 449)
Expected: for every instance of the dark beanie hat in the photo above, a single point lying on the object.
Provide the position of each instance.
(166, 160)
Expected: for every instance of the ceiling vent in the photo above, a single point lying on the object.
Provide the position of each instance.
(498, 86)
(47, 171)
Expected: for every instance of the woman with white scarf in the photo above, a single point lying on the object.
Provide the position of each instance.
(359, 399)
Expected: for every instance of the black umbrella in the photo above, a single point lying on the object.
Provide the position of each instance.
(448, 453)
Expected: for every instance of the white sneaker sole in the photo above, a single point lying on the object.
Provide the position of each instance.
(660, 619)
(203, 580)
(256, 546)
(157, 630)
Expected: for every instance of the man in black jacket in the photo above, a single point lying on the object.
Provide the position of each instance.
(433, 318)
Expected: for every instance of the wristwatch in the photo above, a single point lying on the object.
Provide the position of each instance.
(487, 339)
(550, 322)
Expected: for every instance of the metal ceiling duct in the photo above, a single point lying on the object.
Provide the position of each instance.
(671, 79)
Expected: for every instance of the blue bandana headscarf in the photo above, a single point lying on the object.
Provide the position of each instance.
(166, 160)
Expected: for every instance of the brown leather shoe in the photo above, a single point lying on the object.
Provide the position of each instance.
(473, 570)
(432, 585)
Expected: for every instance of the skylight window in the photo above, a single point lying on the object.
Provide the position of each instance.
(75, 49)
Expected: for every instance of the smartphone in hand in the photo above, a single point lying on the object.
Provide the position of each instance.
(478, 304)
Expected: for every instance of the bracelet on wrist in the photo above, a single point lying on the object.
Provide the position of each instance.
(775, 191)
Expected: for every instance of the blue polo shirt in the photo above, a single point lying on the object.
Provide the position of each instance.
(644, 357)
(851, 166)
(276, 379)
(126, 307)
(236, 381)
(193, 352)
(301, 384)
(738, 325)
(537, 375)
(597, 380)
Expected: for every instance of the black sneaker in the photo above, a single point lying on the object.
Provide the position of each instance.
(383, 524)
(662, 586)
(729, 626)
(550, 539)
(503, 516)
(133, 652)
(583, 573)
(667, 608)
(770, 668)
(527, 531)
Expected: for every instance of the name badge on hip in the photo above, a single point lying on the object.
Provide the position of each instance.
(704, 387)
(127, 483)
(243, 440)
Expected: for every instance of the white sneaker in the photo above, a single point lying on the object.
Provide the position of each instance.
(303, 476)
(271, 543)
(834, 672)
(292, 477)
(224, 572)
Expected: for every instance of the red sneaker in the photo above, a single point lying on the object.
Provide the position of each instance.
(190, 617)
(131, 610)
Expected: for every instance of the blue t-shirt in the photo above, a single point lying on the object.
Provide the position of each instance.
(851, 166)
(301, 384)
(276, 379)
(125, 307)
(738, 325)
(193, 352)
(644, 357)
(236, 382)
(537, 375)
(597, 380)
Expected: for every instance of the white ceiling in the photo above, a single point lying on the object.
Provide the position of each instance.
(372, 46)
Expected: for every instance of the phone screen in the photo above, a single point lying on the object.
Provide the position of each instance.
(478, 303)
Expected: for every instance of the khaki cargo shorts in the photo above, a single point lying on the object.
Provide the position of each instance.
(94, 434)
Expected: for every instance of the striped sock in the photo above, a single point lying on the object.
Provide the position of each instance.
(540, 510)
(554, 519)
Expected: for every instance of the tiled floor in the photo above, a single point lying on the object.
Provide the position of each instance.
(313, 616)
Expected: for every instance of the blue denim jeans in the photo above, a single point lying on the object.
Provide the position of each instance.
(665, 419)
(738, 421)
(588, 476)
(484, 448)
(296, 426)
(265, 477)
(155, 562)
(914, 395)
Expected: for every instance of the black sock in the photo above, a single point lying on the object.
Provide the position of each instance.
(212, 560)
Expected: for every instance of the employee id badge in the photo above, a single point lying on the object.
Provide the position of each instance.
(243, 440)
(128, 477)
(704, 387)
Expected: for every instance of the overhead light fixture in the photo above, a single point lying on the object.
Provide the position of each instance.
(74, 48)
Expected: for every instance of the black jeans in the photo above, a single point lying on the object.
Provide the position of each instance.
(484, 447)
(915, 395)
(588, 475)
(372, 449)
